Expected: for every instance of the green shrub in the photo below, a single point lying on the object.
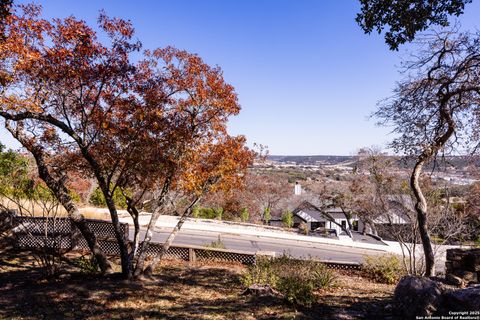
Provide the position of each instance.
(267, 215)
(245, 215)
(476, 243)
(98, 200)
(207, 213)
(216, 244)
(296, 290)
(88, 265)
(383, 269)
(195, 211)
(323, 277)
(296, 280)
(261, 273)
(287, 219)
(75, 196)
(219, 213)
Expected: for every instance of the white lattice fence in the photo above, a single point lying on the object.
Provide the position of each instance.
(342, 265)
(104, 232)
(174, 252)
(193, 253)
(37, 233)
(41, 232)
(224, 255)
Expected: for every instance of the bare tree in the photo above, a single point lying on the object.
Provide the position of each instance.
(435, 111)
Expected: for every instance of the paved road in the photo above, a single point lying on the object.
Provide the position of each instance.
(257, 243)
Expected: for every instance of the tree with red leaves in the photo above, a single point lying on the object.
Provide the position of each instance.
(150, 128)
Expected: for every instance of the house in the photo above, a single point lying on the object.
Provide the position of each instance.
(332, 218)
(274, 222)
(397, 220)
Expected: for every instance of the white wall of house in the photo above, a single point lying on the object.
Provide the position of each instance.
(339, 218)
(391, 217)
(340, 221)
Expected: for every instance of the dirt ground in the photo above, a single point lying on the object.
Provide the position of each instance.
(178, 291)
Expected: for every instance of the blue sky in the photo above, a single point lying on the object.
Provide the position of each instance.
(306, 75)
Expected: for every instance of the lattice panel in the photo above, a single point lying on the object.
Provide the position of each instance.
(39, 232)
(103, 230)
(172, 253)
(206, 254)
(177, 253)
(342, 266)
(28, 241)
(110, 247)
(30, 234)
(40, 225)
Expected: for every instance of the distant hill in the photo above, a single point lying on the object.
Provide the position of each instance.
(458, 162)
(319, 159)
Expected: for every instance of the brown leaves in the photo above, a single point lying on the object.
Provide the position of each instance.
(115, 25)
(138, 125)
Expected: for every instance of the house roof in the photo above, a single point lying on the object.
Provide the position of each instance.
(400, 206)
(310, 215)
(309, 212)
(333, 210)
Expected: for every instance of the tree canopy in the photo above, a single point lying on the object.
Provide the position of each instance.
(403, 19)
(151, 128)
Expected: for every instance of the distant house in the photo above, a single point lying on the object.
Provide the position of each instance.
(397, 220)
(392, 217)
(399, 209)
(275, 222)
(329, 219)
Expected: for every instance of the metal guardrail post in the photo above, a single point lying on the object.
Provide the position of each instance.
(191, 255)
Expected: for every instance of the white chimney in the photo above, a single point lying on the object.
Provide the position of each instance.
(298, 189)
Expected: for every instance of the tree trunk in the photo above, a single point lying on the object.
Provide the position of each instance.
(142, 255)
(91, 239)
(149, 270)
(126, 262)
(136, 235)
(188, 211)
(145, 243)
(348, 216)
(61, 193)
(421, 204)
(421, 209)
(119, 235)
(373, 227)
(332, 220)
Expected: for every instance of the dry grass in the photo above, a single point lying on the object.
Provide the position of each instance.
(32, 208)
(179, 291)
(29, 207)
(95, 213)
